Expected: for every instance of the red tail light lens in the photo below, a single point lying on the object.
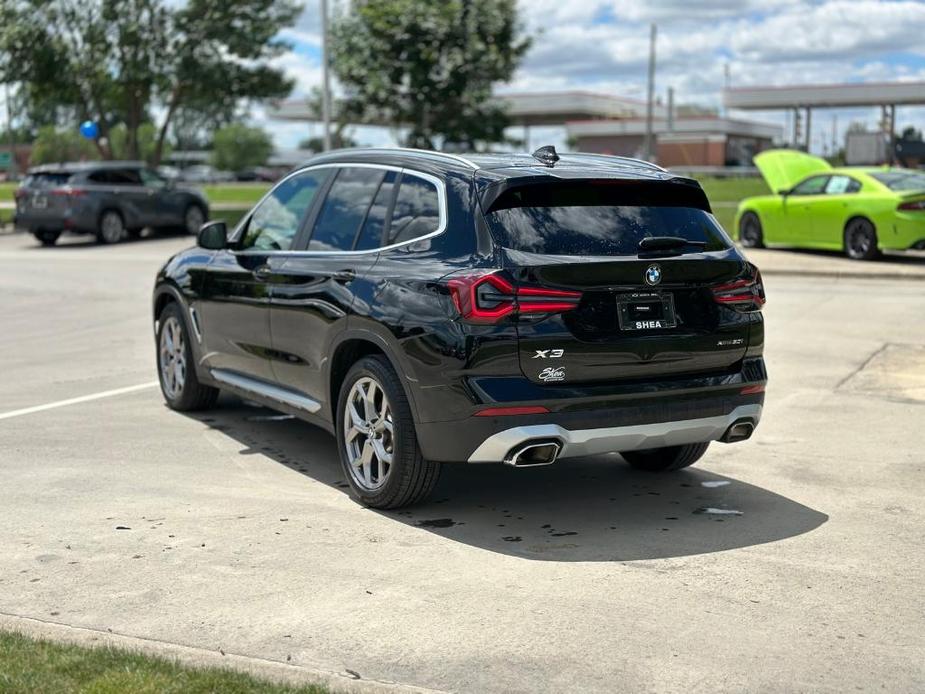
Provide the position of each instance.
(490, 297)
(746, 294)
(68, 192)
(511, 411)
(913, 206)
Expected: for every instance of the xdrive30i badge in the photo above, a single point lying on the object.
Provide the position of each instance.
(653, 275)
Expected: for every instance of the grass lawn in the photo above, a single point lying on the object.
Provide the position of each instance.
(36, 667)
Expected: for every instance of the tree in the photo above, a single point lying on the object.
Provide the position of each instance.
(53, 145)
(121, 61)
(910, 134)
(237, 147)
(429, 66)
(145, 143)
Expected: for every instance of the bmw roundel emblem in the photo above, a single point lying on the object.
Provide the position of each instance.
(653, 275)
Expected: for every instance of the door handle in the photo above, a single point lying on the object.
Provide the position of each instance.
(344, 276)
(263, 273)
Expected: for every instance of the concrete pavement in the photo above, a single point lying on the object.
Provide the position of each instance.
(232, 529)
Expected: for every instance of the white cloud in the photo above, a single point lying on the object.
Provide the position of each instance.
(602, 45)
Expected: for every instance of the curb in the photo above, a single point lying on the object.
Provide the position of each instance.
(273, 670)
(844, 275)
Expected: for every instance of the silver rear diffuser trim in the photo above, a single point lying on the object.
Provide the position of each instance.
(582, 442)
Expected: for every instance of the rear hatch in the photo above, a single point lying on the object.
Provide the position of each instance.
(43, 196)
(628, 313)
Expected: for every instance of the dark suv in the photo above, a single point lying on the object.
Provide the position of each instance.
(429, 308)
(107, 199)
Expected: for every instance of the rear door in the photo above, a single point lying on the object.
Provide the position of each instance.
(640, 315)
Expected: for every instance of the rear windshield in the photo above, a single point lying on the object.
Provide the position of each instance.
(582, 221)
(901, 180)
(47, 180)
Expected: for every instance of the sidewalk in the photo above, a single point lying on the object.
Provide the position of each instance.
(909, 265)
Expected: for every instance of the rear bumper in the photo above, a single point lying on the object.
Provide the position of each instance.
(605, 418)
(575, 443)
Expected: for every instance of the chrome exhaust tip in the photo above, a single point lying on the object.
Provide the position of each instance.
(533, 454)
(739, 431)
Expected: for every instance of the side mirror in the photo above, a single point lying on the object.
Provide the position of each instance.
(785, 192)
(213, 236)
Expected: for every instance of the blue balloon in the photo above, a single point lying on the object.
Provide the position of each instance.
(89, 129)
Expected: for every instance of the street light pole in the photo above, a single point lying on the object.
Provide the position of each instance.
(650, 101)
(326, 80)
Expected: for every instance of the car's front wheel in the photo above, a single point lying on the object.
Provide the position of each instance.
(666, 459)
(377, 441)
(861, 240)
(193, 219)
(751, 234)
(175, 368)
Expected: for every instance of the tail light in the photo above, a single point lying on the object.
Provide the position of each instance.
(68, 192)
(912, 206)
(490, 297)
(745, 294)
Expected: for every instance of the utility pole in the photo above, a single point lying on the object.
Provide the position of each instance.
(12, 136)
(670, 123)
(649, 145)
(326, 79)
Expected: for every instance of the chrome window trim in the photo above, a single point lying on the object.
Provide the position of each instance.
(430, 178)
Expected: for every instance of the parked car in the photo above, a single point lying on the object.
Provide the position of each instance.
(428, 308)
(203, 173)
(858, 210)
(108, 199)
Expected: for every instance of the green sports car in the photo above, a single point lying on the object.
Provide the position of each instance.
(859, 210)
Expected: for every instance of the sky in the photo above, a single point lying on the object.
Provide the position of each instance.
(602, 45)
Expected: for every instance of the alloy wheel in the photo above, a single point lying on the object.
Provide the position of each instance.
(368, 434)
(111, 227)
(172, 358)
(194, 219)
(860, 239)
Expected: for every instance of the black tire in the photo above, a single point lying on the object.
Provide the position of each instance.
(47, 238)
(191, 394)
(666, 459)
(410, 478)
(861, 240)
(751, 235)
(111, 227)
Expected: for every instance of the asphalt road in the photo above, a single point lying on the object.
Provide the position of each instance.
(233, 530)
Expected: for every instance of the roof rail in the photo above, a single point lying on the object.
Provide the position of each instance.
(612, 157)
(398, 150)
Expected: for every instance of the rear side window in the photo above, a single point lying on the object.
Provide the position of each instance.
(596, 221)
(839, 185)
(371, 234)
(47, 180)
(416, 212)
(344, 208)
(902, 179)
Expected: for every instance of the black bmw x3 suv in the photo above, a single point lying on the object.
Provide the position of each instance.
(428, 308)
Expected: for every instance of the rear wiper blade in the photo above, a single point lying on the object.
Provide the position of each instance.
(668, 243)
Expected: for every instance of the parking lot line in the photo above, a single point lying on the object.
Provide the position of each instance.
(75, 401)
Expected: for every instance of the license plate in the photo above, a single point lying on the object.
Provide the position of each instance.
(39, 202)
(647, 311)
